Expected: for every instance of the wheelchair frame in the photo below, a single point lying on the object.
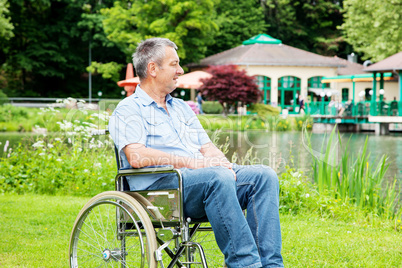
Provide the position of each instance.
(154, 218)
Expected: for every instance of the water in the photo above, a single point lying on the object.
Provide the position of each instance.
(278, 149)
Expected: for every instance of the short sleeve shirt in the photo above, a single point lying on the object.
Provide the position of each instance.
(139, 119)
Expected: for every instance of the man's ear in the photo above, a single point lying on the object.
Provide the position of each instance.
(152, 69)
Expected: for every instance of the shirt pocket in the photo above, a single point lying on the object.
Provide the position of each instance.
(158, 131)
(188, 134)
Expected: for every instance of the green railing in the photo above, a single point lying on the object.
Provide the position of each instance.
(362, 108)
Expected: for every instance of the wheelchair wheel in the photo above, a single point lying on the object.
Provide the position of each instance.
(112, 230)
(192, 258)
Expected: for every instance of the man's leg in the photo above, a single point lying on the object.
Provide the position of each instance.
(258, 192)
(211, 192)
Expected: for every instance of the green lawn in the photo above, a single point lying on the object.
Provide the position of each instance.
(35, 229)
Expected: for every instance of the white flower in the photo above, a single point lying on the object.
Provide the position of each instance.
(38, 144)
(49, 145)
(42, 154)
(86, 170)
(307, 195)
(57, 139)
(58, 159)
(79, 149)
(97, 165)
(349, 232)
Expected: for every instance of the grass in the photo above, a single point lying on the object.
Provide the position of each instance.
(35, 232)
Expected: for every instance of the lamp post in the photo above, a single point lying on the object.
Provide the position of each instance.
(322, 94)
(382, 91)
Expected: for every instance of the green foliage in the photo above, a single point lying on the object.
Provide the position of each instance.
(49, 52)
(3, 98)
(75, 164)
(263, 110)
(304, 122)
(189, 24)
(373, 27)
(238, 20)
(356, 180)
(212, 107)
(6, 27)
(108, 70)
(48, 119)
(108, 105)
(309, 25)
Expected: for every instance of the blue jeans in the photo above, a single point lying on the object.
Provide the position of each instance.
(251, 241)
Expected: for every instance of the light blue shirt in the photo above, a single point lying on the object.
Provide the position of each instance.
(139, 119)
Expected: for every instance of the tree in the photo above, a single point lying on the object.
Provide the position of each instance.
(308, 25)
(238, 20)
(48, 55)
(6, 27)
(230, 85)
(188, 23)
(373, 27)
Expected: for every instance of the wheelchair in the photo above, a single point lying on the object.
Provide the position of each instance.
(124, 228)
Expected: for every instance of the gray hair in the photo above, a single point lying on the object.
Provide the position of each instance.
(152, 49)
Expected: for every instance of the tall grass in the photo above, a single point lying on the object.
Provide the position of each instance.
(353, 178)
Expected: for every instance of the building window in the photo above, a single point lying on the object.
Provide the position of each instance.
(315, 82)
(345, 94)
(288, 92)
(264, 84)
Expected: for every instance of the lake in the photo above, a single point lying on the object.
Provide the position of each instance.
(278, 149)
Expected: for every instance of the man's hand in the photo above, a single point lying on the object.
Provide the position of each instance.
(212, 162)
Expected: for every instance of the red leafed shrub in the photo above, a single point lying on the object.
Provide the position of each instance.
(229, 85)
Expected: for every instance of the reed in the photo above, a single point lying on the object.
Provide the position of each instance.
(354, 178)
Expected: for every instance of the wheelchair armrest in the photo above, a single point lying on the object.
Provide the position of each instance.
(136, 171)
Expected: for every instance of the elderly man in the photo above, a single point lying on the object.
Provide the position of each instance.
(152, 128)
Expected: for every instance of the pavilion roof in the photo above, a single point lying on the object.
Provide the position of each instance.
(389, 64)
(270, 55)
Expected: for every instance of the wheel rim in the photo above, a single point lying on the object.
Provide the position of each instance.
(101, 238)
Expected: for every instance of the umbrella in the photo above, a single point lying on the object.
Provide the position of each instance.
(192, 80)
(189, 80)
(129, 82)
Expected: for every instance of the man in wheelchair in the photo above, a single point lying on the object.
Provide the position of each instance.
(151, 128)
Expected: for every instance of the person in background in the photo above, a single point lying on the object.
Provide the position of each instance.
(200, 102)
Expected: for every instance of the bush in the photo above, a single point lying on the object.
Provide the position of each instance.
(264, 110)
(108, 104)
(73, 163)
(3, 98)
(212, 107)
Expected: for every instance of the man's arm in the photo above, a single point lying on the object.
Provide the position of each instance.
(139, 156)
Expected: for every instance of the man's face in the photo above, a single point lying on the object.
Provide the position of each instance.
(169, 71)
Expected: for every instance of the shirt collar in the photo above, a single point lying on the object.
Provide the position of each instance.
(145, 99)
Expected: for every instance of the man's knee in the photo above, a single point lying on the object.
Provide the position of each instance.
(222, 177)
(265, 176)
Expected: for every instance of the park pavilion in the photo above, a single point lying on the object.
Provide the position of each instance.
(286, 73)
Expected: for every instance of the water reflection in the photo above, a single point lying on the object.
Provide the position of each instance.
(278, 149)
